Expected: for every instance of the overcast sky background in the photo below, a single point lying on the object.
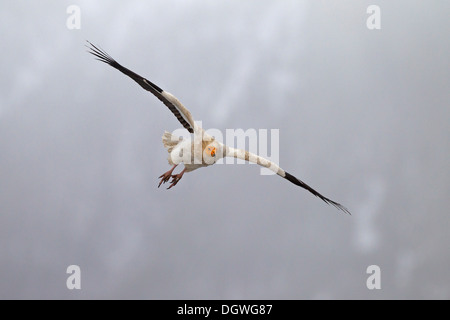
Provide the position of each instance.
(363, 118)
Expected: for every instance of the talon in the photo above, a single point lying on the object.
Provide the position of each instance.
(173, 182)
(176, 178)
(166, 176)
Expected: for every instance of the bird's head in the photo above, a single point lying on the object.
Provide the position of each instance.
(211, 151)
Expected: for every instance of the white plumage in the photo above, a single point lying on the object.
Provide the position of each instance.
(203, 150)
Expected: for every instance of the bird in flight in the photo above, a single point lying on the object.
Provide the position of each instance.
(204, 150)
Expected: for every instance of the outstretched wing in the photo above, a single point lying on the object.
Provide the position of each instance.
(183, 115)
(251, 157)
(300, 183)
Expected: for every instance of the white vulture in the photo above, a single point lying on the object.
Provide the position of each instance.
(204, 150)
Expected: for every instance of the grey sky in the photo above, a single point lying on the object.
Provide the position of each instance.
(363, 118)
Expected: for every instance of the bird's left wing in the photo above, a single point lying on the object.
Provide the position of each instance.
(251, 157)
(181, 112)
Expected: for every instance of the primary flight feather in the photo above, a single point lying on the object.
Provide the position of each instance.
(204, 150)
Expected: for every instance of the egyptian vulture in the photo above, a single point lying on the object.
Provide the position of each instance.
(204, 150)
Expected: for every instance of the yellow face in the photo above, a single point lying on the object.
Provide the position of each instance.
(211, 151)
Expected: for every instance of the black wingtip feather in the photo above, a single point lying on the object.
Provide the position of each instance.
(102, 56)
(300, 183)
(106, 58)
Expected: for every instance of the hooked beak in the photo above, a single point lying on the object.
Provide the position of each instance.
(213, 152)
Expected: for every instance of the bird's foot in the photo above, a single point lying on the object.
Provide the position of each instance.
(165, 176)
(175, 179)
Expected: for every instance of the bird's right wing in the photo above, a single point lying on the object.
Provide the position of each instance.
(181, 112)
